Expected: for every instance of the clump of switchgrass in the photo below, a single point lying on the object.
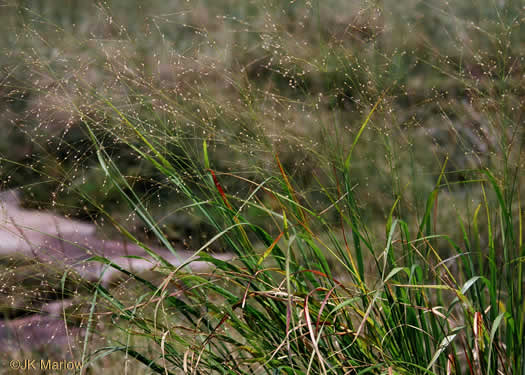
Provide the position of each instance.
(282, 306)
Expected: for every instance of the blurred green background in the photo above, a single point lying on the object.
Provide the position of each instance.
(255, 79)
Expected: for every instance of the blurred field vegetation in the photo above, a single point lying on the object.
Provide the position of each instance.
(254, 78)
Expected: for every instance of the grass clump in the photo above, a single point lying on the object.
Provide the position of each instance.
(362, 162)
(285, 305)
